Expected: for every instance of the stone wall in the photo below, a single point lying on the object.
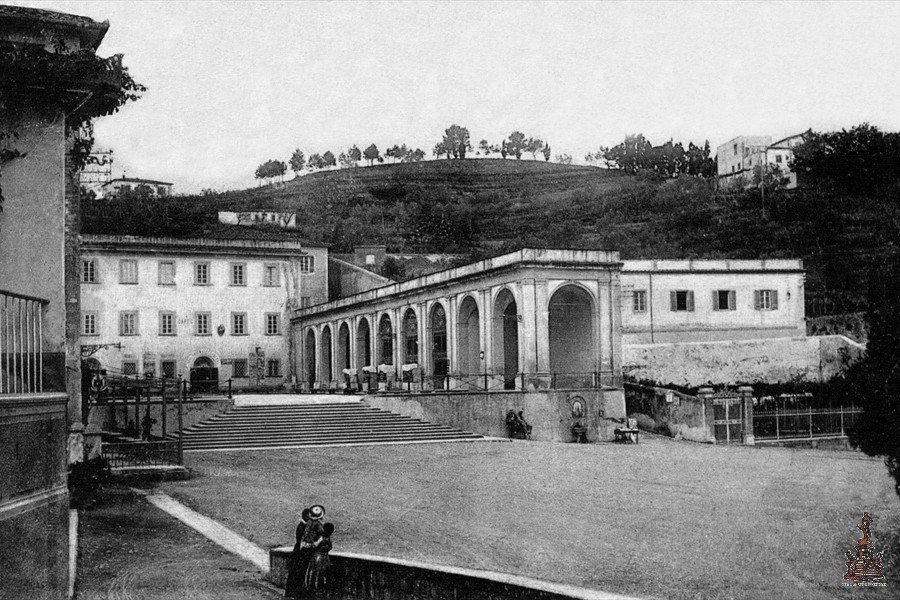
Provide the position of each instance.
(355, 576)
(550, 413)
(194, 411)
(672, 413)
(746, 361)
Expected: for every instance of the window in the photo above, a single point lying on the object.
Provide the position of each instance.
(166, 323)
(273, 367)
(682, 301)
(166, 272)
(639, 301)
(370, 259)
(89, 324)
(735, 150)
(89, 271)
(271, 276)
(238, 276)
(305, 301)
(238, 323)
(128, 272)
(128, 323)
(273, 322)
(778, 158)
(724, 300)
(239, 367)
(161, 190)
(201, 273)
(129, 367)
(201, 323)
(169, 369)
(765, 299)
(306, 264)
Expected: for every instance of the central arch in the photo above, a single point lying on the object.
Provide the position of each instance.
(506, 338)
(469, 337)
(311, 358)
(363, 345)
(204, 375)
(325, 356)
(385, 341)
(573, 350)
(440, 361)
(343, 349)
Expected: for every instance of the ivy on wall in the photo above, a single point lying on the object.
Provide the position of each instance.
(45, 84)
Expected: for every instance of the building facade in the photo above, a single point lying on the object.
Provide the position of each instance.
(737, 159)
(130, 184)
(209, 310)
(674, 301)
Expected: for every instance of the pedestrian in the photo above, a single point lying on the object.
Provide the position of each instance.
(293, 588)
(316, 577)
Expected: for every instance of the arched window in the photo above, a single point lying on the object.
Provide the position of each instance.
(386, 341)
(410, 337)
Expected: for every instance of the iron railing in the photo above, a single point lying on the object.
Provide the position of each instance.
(419, 382)
(805, 423)
(21, 343)
(142, 454)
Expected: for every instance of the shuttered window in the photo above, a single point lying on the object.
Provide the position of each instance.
(682, 300)
(765, 299)
(724, 300)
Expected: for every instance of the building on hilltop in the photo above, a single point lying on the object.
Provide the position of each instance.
(208, 309)
(132, 184)
(737, 159)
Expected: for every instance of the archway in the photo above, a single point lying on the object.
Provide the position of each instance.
(343, 349)
(506, 338)
(439, 360)
(325, 356)
(311, 358)
(385, 341)
(573, 352)
(469, 338)
(204, 375)
(410, 337)
(363, 345)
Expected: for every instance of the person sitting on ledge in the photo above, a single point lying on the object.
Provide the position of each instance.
(316, 573)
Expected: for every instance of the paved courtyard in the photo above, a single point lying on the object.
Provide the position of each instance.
(660, 519)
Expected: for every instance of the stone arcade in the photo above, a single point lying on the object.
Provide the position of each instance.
(538, 330)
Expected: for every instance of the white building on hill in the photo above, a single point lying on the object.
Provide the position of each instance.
(737, 158)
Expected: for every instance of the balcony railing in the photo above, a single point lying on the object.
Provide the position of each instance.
(21, 343)
(142, 454)
(417, 381)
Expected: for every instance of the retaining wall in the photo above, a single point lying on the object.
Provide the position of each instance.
(773, 360)
(194, 411)
(355, 576)
(551, 413)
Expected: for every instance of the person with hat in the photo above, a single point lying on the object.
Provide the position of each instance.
(313, 533)
(295, 580)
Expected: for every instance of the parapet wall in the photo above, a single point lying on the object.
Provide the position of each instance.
(772, 360)
(551, 413)
(355, 576)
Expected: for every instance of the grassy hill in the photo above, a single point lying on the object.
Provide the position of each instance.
(484, 206)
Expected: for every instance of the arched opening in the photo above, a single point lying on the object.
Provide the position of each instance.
(573, 353)
(410, 337)
(363, 345)
(469, 336)
(204, 375)
(506, 338)
(325, 357)
(385, 341)
(343, 349)
(439, 359)
(311, 358)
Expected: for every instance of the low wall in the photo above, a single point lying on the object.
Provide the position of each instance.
(551, 413)
(355, 576)
(774, 360)
(673, 413)
(194, 411)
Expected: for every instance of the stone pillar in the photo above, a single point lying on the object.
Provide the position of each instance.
(337, 379)
(453, 339)
(72, 285)
(615, 324)
(486, 315)
(421, 322)
(746, 394)
(705, 394)
(542, 325)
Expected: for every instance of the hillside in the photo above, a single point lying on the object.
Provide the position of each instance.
(478, 207)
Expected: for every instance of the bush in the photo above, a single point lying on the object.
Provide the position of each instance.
(86, 481)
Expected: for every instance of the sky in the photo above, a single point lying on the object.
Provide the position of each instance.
(232, 84)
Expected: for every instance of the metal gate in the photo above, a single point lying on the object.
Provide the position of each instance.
(727, 419)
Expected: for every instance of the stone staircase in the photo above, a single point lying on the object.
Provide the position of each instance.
(314, 422)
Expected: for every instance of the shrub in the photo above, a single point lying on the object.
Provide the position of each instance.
(86, 481)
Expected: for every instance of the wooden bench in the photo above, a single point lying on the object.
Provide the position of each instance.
(624, 434)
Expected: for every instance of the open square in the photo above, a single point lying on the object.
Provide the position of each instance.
(660, 519)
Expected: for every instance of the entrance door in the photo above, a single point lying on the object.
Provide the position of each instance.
(727, 421)
(204, 376)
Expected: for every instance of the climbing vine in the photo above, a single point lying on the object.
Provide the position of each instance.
(39, 83)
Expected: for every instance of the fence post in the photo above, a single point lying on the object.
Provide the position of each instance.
(180, 422)
(747, 434)
(842, 421)
(810, 422)
(229, 388)
(777, 430)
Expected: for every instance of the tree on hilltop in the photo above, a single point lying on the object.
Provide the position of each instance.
(298, 161)
(344, 160)
(328, 159)
(271, 169)
(456, 141)
(372, 154)
(315, 162)
(564, 159)
(534, 145)
(485, 148)
(516, 144)
(354, 154)
(546, 151)
(416, 155)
